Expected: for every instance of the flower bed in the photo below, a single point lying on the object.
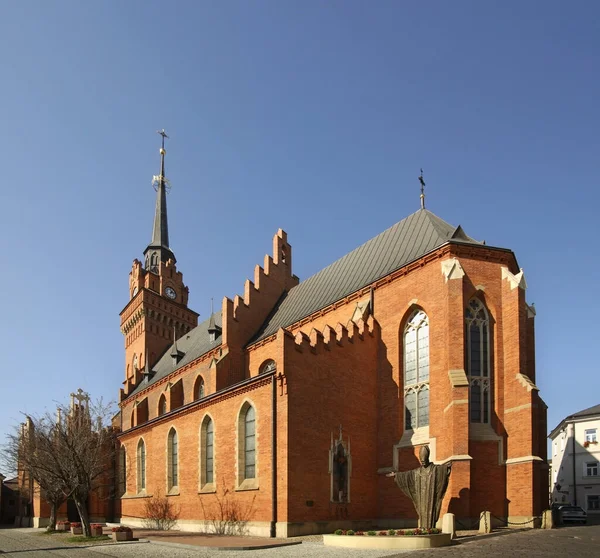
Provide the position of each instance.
(96, 529)
(122, 533)
(389, 539)
(76, 528)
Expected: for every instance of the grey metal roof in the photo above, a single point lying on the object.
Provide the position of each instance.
(193, 344)
(399, 245)
(595, 410)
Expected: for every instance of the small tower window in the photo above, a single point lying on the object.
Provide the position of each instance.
(268, 366)
(283, 255)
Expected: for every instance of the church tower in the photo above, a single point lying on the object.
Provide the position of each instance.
(157, 311)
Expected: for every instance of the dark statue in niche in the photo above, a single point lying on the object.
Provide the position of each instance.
(426, 487)
(340, 474)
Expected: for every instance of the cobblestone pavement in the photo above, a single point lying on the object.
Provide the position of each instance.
(575, 542)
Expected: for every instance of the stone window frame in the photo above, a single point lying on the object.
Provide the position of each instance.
(172, 464)
(244, 483)
(590, 469)
(203, 485)
(481, 383)
(141, 462)
(199, 382)
(420, 385)
(592, 498)
(591, 435)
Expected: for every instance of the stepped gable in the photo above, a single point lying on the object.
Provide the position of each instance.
(404, 242)
(193, 344)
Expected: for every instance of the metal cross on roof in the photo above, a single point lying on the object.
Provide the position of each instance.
(164, 135)
(422, 181)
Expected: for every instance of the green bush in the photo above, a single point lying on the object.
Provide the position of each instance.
(349, 532)
(371, 533)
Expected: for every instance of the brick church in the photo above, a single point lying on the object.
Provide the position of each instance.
(292, 401)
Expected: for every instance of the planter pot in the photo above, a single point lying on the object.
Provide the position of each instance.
(96, 531)
(63, 527)
(122, 535)
(77, 530)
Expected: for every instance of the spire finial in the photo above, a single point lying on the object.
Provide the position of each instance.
(422, 190)
(158, 250)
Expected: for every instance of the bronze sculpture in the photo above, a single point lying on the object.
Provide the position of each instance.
(426, 487)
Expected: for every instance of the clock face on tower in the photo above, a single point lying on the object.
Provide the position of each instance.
(170, 292)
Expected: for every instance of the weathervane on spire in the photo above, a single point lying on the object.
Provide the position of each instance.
(159, 179)
(422, 190)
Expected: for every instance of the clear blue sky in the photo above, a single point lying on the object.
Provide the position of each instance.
(310, 116)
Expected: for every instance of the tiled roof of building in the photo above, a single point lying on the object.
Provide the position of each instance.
(404, 242)
(595, 410)
(193, 344)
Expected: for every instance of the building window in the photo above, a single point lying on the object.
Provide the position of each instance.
(122, 471)
(249, 444)
(593, 502)
(590, 435)
(268, 366)
(199, 388)
(162, 405)
(591, 469)
(478, 360)
(172, 461)
(416, 371)
(141, 465)
(207, 452)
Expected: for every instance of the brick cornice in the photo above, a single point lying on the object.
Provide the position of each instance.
(245, 386)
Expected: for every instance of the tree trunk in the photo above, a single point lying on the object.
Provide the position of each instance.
(83, 515)
(53, 512)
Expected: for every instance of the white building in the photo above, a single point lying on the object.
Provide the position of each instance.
(575, 455)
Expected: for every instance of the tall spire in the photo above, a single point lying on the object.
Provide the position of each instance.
(158, 250)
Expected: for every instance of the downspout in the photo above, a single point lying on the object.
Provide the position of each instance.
(273, 532)
(574, 470)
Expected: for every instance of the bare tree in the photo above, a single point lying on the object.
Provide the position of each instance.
(21, 455)
(67, 456)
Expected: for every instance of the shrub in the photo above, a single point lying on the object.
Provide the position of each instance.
(382, 533)
(121, 529)
(350, 532)
(371, 533)
(360, 533)
(76, 524)
(391, 532)
(96, 526)
(338, 532)
(160, 513)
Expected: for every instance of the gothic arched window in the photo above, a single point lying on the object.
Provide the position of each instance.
(199, 388)
(249, 444)
(122, 471)
(477, 337)
(172, 460)
(416, 371)
(162, 405)
(141, 465)
(206, 452)
(268, 366)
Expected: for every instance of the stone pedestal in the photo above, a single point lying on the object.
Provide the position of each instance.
(485, 522)
(547, 521)
(449, 525)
